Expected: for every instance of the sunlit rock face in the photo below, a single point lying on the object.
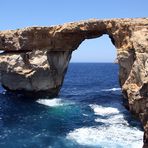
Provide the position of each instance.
(37, 72)
(36, 58)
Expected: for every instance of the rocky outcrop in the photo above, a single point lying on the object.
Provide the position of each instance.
(35, 59)
(37, 72)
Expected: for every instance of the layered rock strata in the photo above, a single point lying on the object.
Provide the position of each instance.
(35, 59)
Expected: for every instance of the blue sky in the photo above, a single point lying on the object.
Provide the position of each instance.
(21, 13)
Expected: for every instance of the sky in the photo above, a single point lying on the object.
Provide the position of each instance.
(16, 14)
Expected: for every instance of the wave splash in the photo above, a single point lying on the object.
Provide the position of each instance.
(112, 89)
(103, 111)
(114, 130)
(106, 137)
(51, 102)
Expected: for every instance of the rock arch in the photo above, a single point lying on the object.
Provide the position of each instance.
(36, 58)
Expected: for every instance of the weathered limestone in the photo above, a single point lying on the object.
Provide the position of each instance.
(36, 58)
(41, 72)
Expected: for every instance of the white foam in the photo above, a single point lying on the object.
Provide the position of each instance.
(99, 110)
(85, 115)
(112, 114)
(84, 136)
(117, 119)
(107, 137)
(50, 102)
(112, 89)
(113, 132)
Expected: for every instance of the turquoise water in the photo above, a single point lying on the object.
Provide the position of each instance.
(88, 113)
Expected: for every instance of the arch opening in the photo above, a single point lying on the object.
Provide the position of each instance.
(99, 55)
(98, 50)
(92, 83)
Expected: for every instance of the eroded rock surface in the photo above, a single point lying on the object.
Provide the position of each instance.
(36, 58)
(39, 72)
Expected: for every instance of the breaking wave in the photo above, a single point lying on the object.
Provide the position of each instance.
(99, 110)
(112, 89)
(105, 137)
(51, 102)
(116, 133)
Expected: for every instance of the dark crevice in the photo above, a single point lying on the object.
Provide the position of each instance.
(112, 39)
(3, 52)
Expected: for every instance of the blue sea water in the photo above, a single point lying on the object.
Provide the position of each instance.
(88, 113)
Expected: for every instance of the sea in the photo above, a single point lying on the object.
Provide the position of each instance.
(88, 113)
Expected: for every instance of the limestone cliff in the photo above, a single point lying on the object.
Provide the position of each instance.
(35, 59)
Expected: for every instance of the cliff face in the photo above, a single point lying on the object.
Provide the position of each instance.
(41, 72)
(35, 59)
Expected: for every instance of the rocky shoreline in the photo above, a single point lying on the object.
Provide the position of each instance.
(35, 59)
